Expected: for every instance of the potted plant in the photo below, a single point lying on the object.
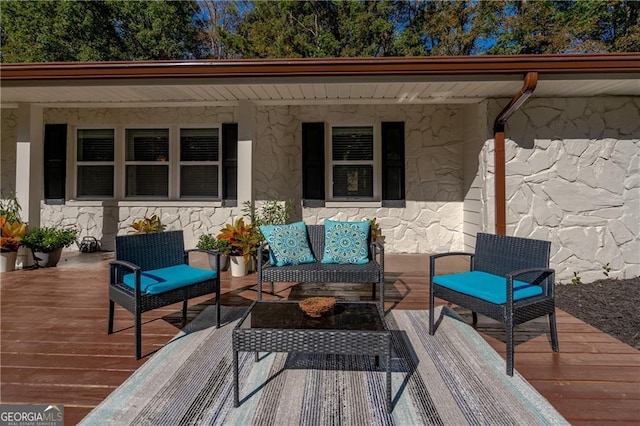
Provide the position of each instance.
(12, 229)
(148, 225)
(46, 243)
(376, 231)
(210, 242)
(244, 244)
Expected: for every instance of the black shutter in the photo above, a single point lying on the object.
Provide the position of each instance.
(230, 164)
(393, 179)
(313, 164)
(55, 163)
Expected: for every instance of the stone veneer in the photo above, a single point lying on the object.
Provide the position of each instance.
(573, 177)
(432, 220)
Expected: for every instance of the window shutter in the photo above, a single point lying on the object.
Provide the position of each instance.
(55, 163)
(230, 164)
(393, 167)
(313, 164)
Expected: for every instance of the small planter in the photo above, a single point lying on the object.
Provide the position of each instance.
(224, 262)
(47, 259)
(239, 267)
(8, 261)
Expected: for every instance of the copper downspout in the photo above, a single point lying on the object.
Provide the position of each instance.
(530, 82)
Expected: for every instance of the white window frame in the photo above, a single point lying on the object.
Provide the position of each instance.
(181, 163)
(77, 164)
(375, 163)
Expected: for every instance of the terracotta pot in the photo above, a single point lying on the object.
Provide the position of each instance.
(8, 261)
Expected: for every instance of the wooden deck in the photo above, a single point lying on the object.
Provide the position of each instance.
(54, 346)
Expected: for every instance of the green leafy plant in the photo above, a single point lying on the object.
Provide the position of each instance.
(606, 269)
(376, 231)
(10, 208)
(148, 225)
(46, 239)
(273, 212)
(210, 242)
(576, 278)
(241, 237)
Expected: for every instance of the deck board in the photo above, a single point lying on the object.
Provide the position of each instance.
(54, 347)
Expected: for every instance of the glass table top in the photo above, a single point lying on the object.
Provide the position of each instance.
(288, 315)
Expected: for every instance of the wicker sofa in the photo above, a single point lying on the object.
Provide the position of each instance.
(370, 272)
(509, 280)
(152, 271)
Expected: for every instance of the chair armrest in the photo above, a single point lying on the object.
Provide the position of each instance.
(118, 264)
(545, 273)
(132, 267)
(433, 257)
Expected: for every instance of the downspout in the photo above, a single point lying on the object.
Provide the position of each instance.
(530, 82)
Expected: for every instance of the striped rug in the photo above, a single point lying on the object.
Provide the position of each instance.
(452, 378)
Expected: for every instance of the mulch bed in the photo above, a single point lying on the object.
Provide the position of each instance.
(611, 305)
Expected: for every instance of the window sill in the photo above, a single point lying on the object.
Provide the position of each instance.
(335, 204)
(138, 203)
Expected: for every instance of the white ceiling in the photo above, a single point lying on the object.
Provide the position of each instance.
(281, 91)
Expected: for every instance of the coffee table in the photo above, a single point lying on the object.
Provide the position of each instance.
(352, 328)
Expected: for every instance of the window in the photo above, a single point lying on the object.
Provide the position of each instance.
(352, 172)
(95, 163)
(352, 162)
(147, 162)
(199, 163)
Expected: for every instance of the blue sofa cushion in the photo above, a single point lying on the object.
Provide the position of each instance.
(346, 242)
(288, 244)
(159, 281)
(485, 286)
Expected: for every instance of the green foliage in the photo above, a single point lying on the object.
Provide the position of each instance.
(47, 238)
(148, 225)
(273, 212)
(576, 278)
(100, 30)
(210, 242)
(606, 269)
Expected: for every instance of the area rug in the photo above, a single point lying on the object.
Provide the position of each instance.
(453, 378)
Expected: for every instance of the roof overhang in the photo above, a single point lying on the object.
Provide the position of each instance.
(411, 80)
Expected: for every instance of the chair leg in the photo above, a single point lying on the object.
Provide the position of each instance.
(474, 317)
(272, 289)
(509, 348)
(431, 308)
(184, 312)
(218, 305)
(373, 291)
(138, 335)
(110, 321)
(553, 329)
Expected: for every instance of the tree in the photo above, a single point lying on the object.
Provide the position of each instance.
(100, 30)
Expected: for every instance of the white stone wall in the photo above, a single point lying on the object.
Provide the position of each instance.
(573, 177)
(432, 219)
(8, 137)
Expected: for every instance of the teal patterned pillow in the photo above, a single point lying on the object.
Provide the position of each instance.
(346, 242)
(288, 244)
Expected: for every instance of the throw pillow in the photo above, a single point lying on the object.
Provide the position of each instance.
(288, 244)
(346, 242)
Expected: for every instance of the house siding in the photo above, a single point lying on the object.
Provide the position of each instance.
(573, 178)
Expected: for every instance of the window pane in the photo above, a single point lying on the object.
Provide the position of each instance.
(95, 181)
(95, 144)
(352, 143)
(199, 181)
(353, 181)
(147, 145)
(147, 181)
(199, 145)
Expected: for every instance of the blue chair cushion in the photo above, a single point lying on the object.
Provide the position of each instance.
(158, 281)
(346, 242)
(288, 244)
(485, 286)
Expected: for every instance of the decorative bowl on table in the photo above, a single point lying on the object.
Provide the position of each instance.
(315, 307)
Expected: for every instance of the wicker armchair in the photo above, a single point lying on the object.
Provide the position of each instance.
(509, 281)
(371, 272)
(151, 271)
